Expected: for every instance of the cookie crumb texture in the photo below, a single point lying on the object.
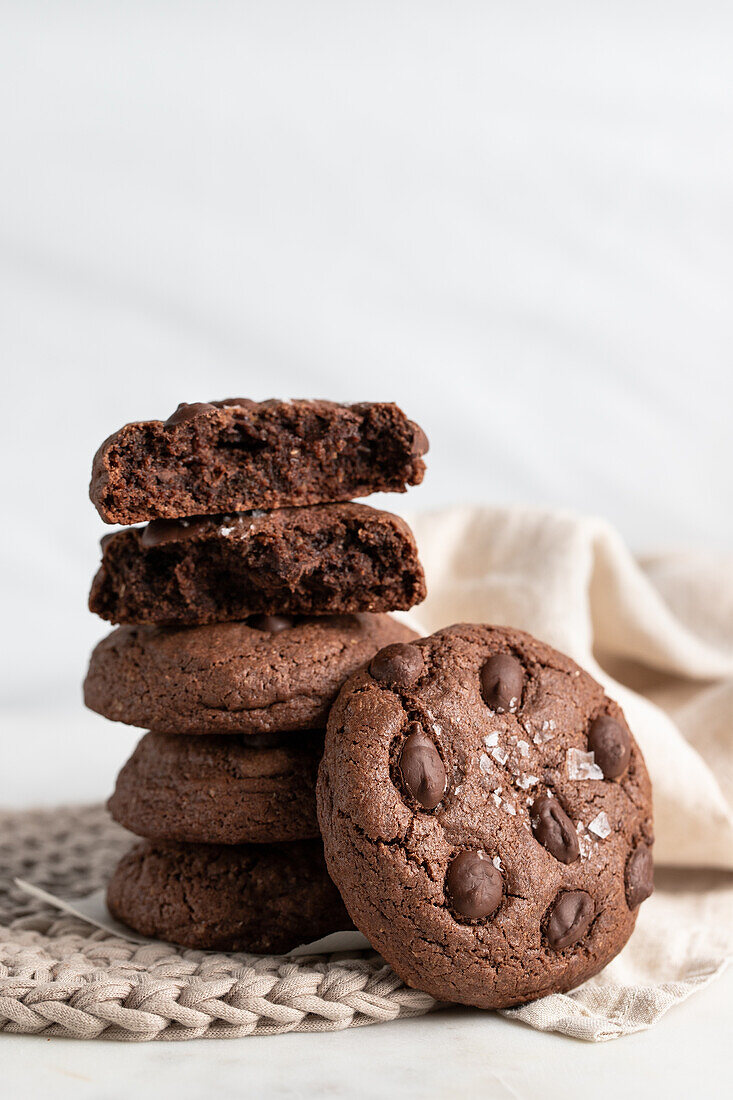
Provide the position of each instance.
(470, 828)
(258, 898)
(272, 674)
(237, 454)
(221, 790)
(327, 559)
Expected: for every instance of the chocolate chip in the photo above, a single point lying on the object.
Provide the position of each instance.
(570, 918)
(610, 744)
(639, 876)
(420, 443)
(160, 531)
(554, 829)
(272, 624)
(397, 665)
(473, 884)
(228, 402)
(188, 412)
(421, 769)
(502, 681)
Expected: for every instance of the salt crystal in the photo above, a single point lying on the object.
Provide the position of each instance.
(484, 763)
(497, 863)
(496, 799)
(526, 781)
(225, 531)
(600, 826)
(498, 790)
(581, 765)
(491, 739)
(436, 728)
(545, 734)
(513, 704)
(510, 808)
(586, 845)
(523, 748)
(500, 755)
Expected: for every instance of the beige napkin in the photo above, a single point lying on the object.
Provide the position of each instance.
(658, 634)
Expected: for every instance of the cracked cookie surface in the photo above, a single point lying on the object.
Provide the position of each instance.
(270, 674)
(221, 789)
(261, 898)
(474, 836)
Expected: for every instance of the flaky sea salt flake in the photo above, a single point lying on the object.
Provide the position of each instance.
(523, 748)
(491, 739)
(527, 781)
(600, 825)
(582, 765)
(500, 755)
(484, 763)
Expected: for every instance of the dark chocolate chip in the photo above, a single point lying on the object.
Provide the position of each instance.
(160, 531)
(272, 624)
(554, 829)
(398, 665)
(610, 744)
(421, 769)
(228, 402)
(473, 884)
(188, 412)
(502, 681)
(639, 876)
(420, 443)
(570, 918)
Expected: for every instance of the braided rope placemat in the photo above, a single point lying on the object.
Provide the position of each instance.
(61, 976)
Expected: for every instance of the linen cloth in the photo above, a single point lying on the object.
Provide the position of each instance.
(658, 634)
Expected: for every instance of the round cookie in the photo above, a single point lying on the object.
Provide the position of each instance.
(220, 790)
(272, 673)
(257, 898)
(471, 831)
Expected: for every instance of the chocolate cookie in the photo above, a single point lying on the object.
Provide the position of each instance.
(259, 898)
(269, 674)
(486, 815)
(232, 455)
(326, 559)
(220, 790)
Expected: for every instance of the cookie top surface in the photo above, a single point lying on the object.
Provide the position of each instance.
(320, 559)
(272, 673)
(221, 789)
(467, 820)
(258, 898)
(236, 454)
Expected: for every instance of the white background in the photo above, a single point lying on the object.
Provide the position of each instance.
(516, 220)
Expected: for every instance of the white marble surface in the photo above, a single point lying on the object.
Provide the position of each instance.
(454, 1054)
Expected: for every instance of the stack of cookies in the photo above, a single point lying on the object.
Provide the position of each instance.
(254, 590)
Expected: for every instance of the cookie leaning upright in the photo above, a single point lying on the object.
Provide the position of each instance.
(486, 816)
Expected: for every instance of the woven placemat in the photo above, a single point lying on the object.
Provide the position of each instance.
(61, 976)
